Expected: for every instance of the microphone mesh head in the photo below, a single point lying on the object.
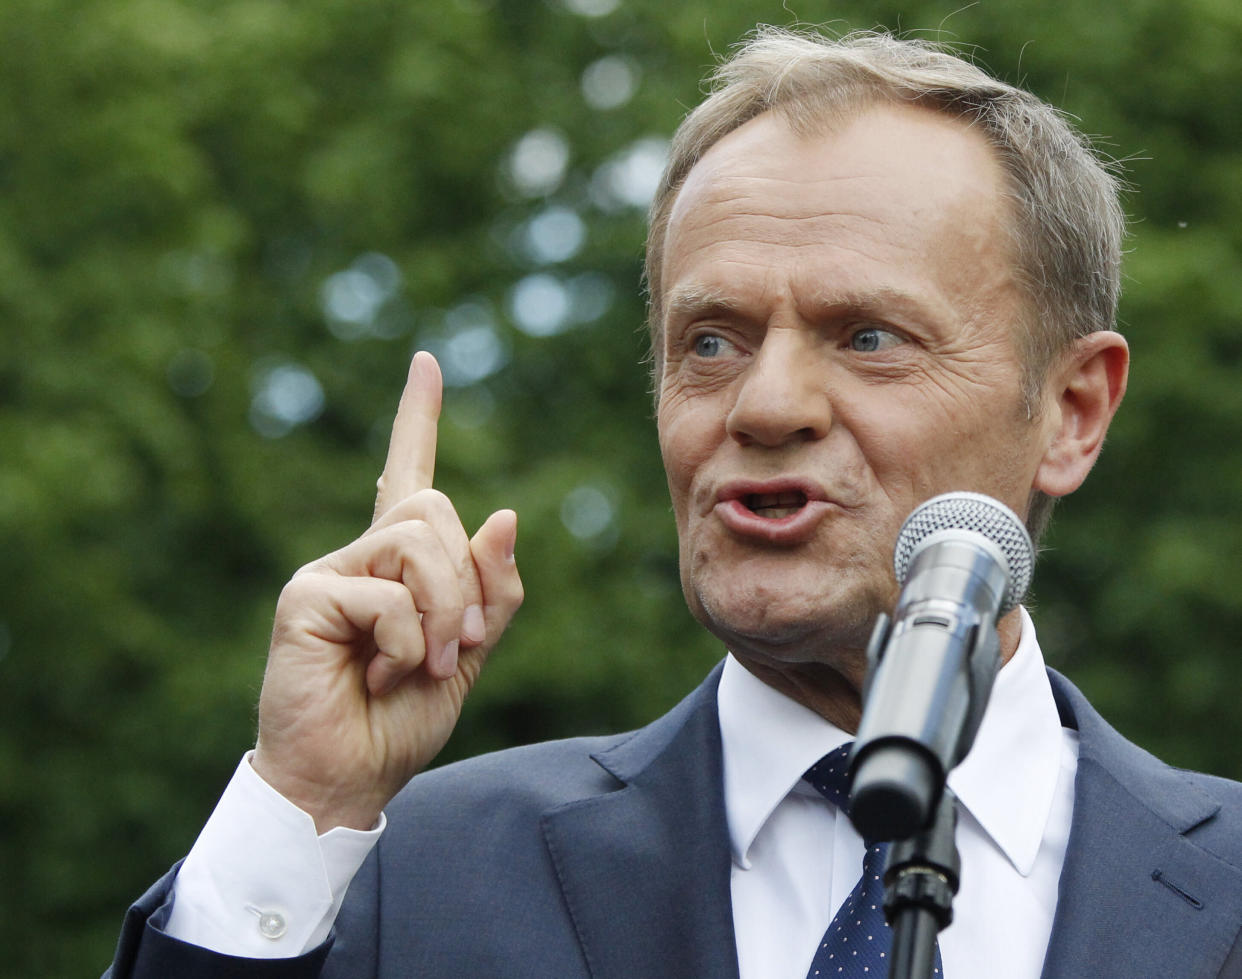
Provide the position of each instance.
(981, 515)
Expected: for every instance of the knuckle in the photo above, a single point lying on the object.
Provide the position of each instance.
(319, 566)
(420, 503)
(300, 588)
(413, 530)
(403, 539)
(394, 600)
(437, 500)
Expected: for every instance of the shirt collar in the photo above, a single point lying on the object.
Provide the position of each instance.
(1007, 782)
(768, 742)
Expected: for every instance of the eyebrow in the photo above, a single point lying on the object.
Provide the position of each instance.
(708, 301)
(882, 299)
(699, 301)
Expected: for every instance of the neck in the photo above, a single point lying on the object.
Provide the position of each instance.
(835, 692)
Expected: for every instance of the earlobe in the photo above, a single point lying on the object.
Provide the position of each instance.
(1084, 391)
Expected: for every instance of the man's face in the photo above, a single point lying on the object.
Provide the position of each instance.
(839, 344)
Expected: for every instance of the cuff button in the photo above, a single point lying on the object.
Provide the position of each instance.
(272, 925)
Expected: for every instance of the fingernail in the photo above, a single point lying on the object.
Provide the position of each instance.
(448, 658)
(472, 625)
(511, 543)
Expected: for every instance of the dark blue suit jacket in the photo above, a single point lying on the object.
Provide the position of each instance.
(609, 858)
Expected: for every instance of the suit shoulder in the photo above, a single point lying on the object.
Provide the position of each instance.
(1205, 809)
(1222, 831)
(531, 777)
(1226, 790)
(543, 776)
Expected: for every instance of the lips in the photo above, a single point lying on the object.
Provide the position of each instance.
(783, 511)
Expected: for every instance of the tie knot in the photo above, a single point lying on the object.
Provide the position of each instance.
(831, 775)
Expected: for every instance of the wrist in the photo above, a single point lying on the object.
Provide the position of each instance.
(329, 806)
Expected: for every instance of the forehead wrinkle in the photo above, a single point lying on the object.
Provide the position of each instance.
(706, 227)
(728, 207)
(727, 182)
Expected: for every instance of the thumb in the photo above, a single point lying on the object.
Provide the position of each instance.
(492, 549)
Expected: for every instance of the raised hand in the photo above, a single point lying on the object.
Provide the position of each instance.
(376, 645)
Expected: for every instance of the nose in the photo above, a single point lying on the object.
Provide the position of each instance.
(783, 396)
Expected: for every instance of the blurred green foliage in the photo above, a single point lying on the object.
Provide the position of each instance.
(224, 226)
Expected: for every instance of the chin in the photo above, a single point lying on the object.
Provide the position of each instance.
(787, 635)
(790, 605)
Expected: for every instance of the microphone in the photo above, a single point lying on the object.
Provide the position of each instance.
(963, 561)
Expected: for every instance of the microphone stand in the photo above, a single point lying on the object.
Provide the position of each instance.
(923, 868)
(929, 676)
(921, 877)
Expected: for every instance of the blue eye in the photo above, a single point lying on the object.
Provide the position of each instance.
(872, 338)
(708, 345)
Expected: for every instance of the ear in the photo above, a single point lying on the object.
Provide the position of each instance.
(1082, 393)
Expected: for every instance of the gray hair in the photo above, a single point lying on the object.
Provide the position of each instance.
(1067, 223)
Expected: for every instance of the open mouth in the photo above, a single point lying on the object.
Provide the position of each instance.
(782, 511)
(773, 506)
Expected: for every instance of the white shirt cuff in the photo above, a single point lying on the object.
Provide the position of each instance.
(259, 882)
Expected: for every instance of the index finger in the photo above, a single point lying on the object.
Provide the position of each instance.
(411, 462)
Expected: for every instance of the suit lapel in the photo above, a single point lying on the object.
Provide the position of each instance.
(1137, 896)
(645, 869)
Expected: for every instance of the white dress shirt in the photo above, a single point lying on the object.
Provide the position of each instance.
(260, 883)
(796, 857)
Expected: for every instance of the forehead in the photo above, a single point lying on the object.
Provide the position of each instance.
(894, 199)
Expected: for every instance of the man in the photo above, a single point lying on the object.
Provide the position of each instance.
(876, 275)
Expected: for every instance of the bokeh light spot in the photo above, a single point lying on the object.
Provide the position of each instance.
(592, 8)
(630, 177)
(610, 82)
(538, 162)
(589, 514)
(540, 305)
(353, 298)
(591, 295)
(554, 235)
(469, 348)
(285, 395)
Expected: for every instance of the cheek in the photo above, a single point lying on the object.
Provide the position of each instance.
(679, 472)
(937, 447)
(689, 432)
(907, 450)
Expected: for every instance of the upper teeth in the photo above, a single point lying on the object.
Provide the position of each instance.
(787, 501)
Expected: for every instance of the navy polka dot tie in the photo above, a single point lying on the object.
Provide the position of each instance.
(858, 942)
